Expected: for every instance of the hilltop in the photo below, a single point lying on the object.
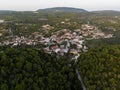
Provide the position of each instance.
(63, 9)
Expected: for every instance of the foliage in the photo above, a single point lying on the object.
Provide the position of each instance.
(102, 42)
(31, 69)
(99, 68)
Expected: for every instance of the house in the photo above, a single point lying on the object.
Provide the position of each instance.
(62, 22)
(62, 46)
(53, 47)
(73, 51)
(79, 46)
(77, 30)
(47, 27)
(2, 21)
(87, 27)
(0, 34)
(57, 50)
(15, 44)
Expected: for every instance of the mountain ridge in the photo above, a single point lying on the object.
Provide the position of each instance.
(68, 10)
(63, 9)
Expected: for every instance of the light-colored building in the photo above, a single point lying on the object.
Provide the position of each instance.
(2, 21)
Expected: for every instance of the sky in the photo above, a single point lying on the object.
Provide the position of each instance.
(32, 5)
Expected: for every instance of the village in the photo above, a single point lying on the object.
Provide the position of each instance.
(61, 42)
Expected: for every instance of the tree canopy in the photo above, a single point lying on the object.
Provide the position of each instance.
(31, 69)
(99, 68)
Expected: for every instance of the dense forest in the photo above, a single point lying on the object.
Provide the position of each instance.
(32, 69)
(99, 68)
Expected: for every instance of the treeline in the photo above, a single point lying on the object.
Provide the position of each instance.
(100, 68)
(102, 42)
(32, 69)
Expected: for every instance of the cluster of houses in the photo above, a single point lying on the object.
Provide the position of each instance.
(67, 43)
(92, 32)
(61, 42)
(16, 41)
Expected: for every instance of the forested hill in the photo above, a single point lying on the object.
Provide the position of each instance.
(31, 69)
(6, 11)
(62, 9)
(100, 68)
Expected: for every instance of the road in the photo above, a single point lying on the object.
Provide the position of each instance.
(79, 76)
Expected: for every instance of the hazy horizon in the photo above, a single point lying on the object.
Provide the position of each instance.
(32, 5)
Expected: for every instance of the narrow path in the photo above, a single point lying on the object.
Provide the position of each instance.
(79, 77)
